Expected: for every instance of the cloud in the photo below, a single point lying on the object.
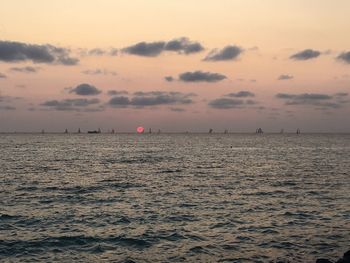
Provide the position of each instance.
(345, 57)
(227, 53)
(341, 94)
(183, 45)
(226, 103)
(305, 54)
(234, 100)
(169, 78)
(98, 52)
(152, 49)
(27, 69)
(119, 102)
(153, 98)
(117, 92)
(6, 107)
(285, 77)
(200, 76)
(241, 94)
(99, 72)
(304, 96)
(85, 90)
(2, 76)
(49, 54)
(70, 104)
(177, 109)
(311, 99)
(9, 100)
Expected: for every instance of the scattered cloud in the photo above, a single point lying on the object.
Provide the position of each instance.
(70, 104)
(345, 57)
(85, 90)
(169, 78)
(285, 77)
(312, 99)
(153, 98)
(241, 94)
(99, 72)
(145, 49)
(200, 76)
(177, 109)
(119, 102)
(18, 52)
(117, 92)
(305, 54)
(98, 52)
(226, 103)
(27, 69)
(6, 107)
(152, 49)
(227, 53)
(183, 45)
(234, 100)
(341, 94)
(5, 100)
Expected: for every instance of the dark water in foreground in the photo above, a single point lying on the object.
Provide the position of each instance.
(174, 198)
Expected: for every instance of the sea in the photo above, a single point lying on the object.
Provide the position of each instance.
(174, 197)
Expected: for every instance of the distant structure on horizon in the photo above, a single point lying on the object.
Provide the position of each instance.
(259, 131)
(113, 131)
(150, 130)
(226, 131)
(66, 131)
(298, 131)
(158, 131)
(282, 131)
(210, 130)
(79, 131)
(42, 131)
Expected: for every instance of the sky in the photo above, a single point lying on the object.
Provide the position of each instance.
(183, 65)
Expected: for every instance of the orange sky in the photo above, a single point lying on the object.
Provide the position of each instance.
(268, 32)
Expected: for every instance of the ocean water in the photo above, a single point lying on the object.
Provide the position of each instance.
(174, 197)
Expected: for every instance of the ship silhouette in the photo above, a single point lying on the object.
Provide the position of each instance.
(94, 131)
(259, 131)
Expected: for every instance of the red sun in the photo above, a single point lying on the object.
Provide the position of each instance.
(140, 129)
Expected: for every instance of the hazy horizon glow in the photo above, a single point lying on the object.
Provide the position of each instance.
(175, 65)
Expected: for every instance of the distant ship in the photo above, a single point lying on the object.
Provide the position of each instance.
(150, 130)
(42, 131)
(298, 131)
(98, 131)
(158, 131)
(259, 131)
(113, 131)
(226, 132)
(79, 131)
(210, 130)
(65, 131)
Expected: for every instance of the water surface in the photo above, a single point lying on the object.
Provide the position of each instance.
(174, 197)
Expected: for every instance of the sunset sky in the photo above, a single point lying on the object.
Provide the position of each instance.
(181, 65)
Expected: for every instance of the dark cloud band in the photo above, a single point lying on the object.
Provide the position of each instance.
(49, 54)
(200, 76)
